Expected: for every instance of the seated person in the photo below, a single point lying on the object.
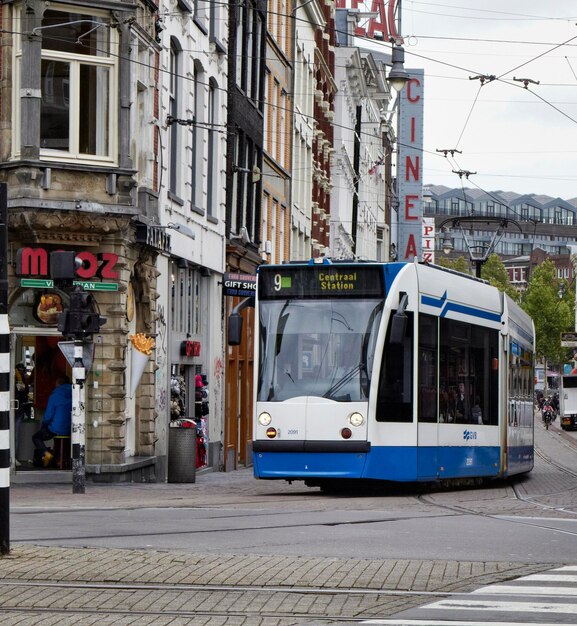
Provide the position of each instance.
(476, 412)
(57, 417)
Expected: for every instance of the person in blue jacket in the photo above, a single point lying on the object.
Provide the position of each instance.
(57, 417)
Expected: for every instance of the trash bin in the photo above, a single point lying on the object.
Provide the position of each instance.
(181, 454)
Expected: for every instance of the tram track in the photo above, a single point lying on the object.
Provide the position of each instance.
(122, 600)
(233, 529)
(534, 499)
(177, 587)
(432, 500)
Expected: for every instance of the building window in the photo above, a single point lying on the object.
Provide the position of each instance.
(196, 165)
(212, 147)
(217, 25)
(249, 50)
(185, 300)
(78, 84)
(173, 96)
(200, 15)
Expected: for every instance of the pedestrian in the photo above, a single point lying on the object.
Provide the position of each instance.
(57, 419)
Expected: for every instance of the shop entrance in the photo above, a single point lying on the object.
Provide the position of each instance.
(36, 365)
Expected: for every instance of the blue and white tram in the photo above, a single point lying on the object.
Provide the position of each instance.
(389, 371)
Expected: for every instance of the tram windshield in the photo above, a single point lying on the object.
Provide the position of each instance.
(317, 347)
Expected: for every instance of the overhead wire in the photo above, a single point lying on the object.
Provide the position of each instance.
(383, 43)
(469, 115)
(524, 15)
(538, 56)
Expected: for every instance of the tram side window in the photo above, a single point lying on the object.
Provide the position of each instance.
(427, 364)
(468, 376)
(395, 397)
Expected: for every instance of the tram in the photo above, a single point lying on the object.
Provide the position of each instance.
(397, 372)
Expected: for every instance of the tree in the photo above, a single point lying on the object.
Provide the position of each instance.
(460, 264)
(551, 315)
(495, 272)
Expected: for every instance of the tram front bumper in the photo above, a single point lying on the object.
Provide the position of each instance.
(309, 459)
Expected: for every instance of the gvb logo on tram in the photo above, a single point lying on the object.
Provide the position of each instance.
(387, 371)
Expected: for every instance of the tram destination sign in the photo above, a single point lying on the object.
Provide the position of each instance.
(314, 281)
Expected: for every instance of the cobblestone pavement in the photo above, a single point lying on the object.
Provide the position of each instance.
(50, 585)
(140, 587)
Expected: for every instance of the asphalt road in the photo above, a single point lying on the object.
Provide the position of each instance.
(533, 519)
(232, 550)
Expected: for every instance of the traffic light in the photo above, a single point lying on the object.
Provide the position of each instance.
(78, 319)
(63, 265)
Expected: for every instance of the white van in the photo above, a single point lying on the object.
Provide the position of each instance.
(568, 402)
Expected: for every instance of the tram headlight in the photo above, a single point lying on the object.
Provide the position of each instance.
(356, 419)
(264, 419)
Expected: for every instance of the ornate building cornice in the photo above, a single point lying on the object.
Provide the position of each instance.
(45, 226)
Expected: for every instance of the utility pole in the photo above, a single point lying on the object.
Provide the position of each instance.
(4, 378)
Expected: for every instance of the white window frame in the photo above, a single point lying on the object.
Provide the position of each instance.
(76, 60)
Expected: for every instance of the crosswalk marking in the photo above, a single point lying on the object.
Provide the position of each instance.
(553, 602)
(498, 605)
(521, 590)
(566, 578)
(436, 622)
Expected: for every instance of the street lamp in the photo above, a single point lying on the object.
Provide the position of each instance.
(398, 76)
(478, 252)
(447, 243)
(180, 228)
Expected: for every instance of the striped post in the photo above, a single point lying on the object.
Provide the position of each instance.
(4, 378)
(78, 420)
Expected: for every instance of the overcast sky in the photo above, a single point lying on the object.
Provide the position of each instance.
(514, 138)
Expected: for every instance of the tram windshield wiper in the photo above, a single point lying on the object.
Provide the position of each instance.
(343, 380)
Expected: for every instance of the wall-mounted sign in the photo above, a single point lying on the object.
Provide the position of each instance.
(47, 308)
(428, 240)
(42, 283)
(410, 168)
(37, 283)
(569, 340)
(89, 286)
(239, 284)
(190, 348)
(380, 22)
(35, 262)
(153, 237)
